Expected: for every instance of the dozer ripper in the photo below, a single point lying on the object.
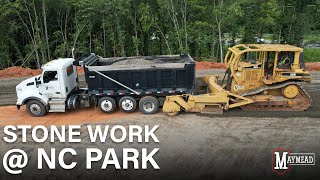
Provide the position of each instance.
(264, 77)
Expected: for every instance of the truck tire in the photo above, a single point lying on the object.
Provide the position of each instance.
(73, 102)
(127, 104)
(149, 105)
(35, 108)
(107, 104)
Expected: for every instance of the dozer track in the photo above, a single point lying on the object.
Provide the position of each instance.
(279, 103)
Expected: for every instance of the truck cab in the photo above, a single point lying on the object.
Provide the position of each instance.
(48, 92)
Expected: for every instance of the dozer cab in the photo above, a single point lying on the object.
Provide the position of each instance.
(269, 74)
(258, 77)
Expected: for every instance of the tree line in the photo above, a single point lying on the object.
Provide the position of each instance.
(34, 32)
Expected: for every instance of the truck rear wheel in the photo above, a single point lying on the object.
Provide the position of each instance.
(127, 104)
(35, 108)
(107, 104)
(149, 105)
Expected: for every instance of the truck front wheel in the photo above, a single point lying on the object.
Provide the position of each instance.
(127, 104)
(36, 108)
(107, 104)
(149, 105)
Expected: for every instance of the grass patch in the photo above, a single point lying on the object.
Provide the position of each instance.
(312, 54)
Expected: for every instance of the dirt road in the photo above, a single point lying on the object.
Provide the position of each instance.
(93, 115)
(191, 146)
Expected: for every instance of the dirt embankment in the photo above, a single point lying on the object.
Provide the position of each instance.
(315, 66)
(209, 65)
(16, 71)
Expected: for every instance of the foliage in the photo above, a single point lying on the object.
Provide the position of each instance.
(311, 54)
(35, 31)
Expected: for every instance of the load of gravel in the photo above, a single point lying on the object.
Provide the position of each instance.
(135, 62)
(143, 60)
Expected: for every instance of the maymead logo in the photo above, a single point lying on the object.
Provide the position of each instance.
(283, 159)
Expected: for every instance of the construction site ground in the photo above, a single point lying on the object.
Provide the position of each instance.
(13, 116)
(210, 145)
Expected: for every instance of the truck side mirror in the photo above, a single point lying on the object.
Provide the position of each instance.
(37, 82)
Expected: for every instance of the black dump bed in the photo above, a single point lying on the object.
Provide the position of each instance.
(154, 75)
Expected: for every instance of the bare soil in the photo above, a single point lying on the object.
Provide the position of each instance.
(76, 117)
(209, 65)
(16, 71)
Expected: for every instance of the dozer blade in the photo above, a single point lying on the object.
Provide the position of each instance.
(214, 102)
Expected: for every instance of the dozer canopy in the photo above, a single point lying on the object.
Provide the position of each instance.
(272, 62)
(261, 52)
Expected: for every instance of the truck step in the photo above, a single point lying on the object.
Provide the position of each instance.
(57, 110)
(57, 105)
(57, 101)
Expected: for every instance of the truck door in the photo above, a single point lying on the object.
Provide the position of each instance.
(70, 77)
(50, 84)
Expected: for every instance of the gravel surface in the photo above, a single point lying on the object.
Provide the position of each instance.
(142, 60)
(193, 146)
(134, 62)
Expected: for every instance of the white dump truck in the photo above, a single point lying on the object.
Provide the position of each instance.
(112, 83)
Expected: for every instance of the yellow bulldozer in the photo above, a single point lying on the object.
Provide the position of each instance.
(263, 77)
